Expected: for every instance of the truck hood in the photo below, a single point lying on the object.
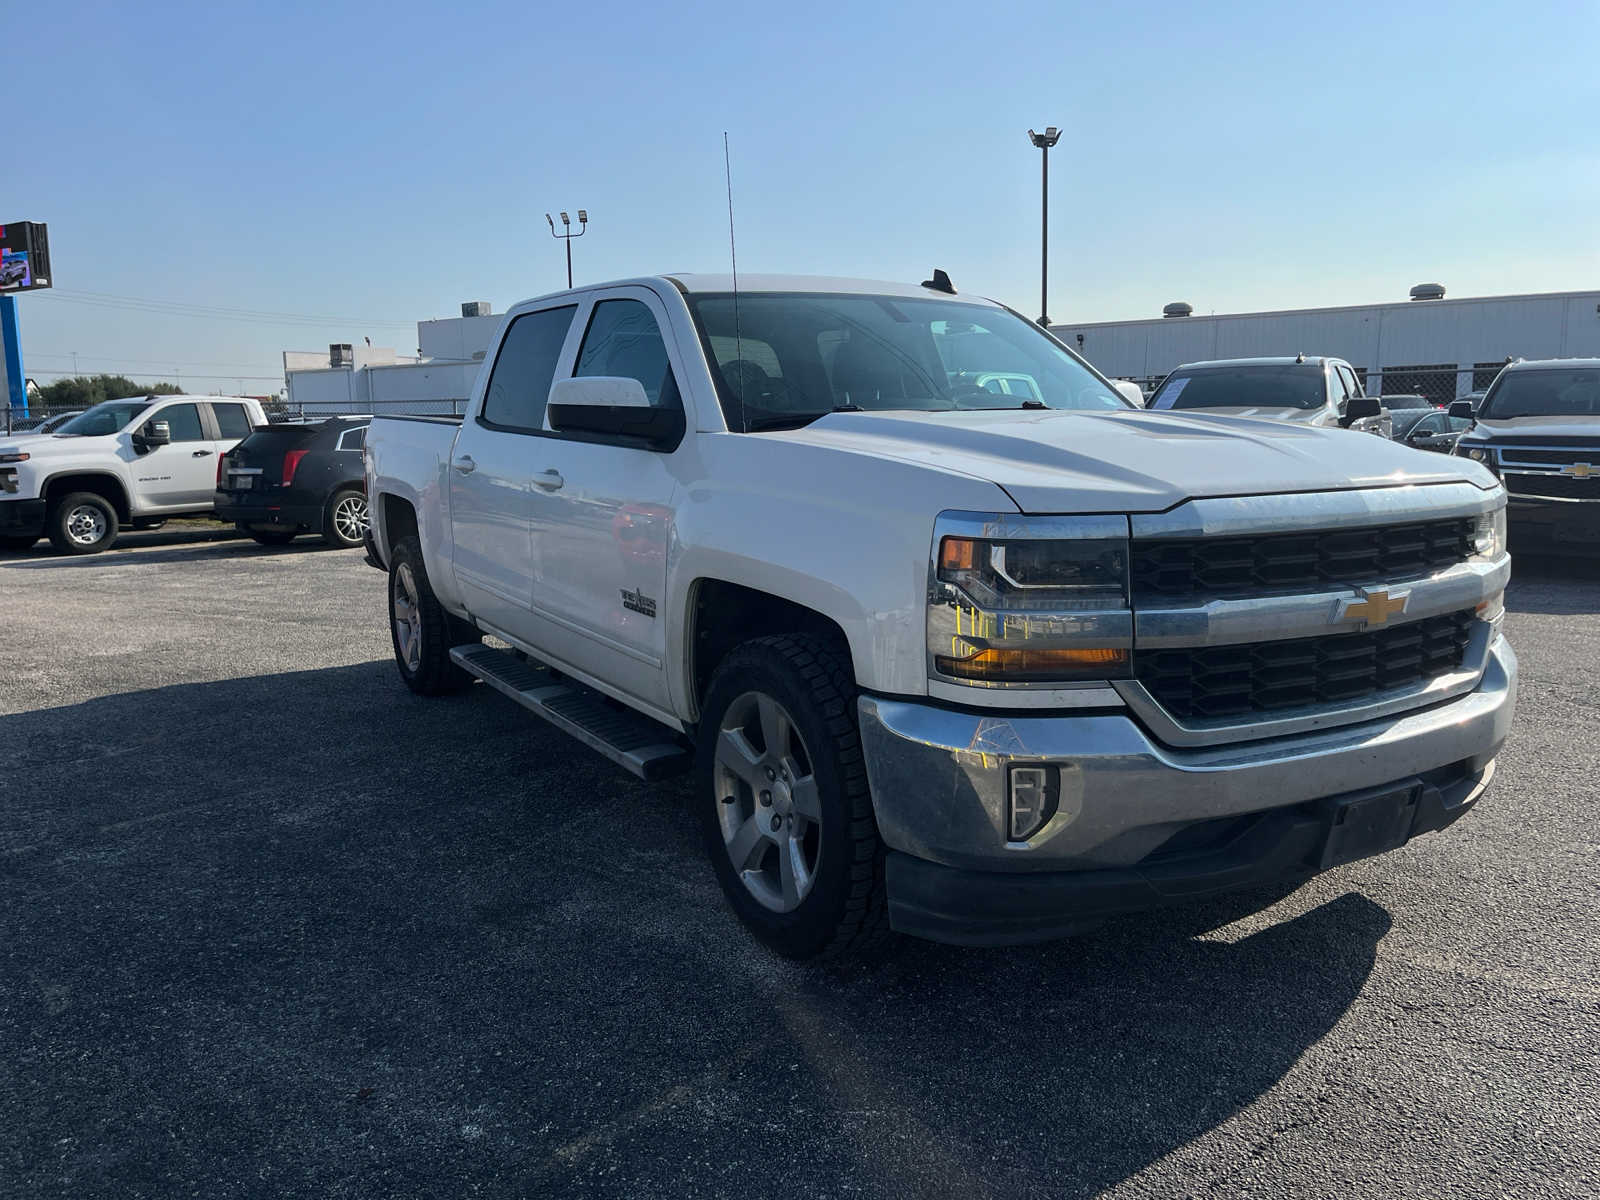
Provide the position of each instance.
(50, 445)
(1539, 429)
(1133, 461)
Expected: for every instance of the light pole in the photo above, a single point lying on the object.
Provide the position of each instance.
(1044, 141)
(568, 235)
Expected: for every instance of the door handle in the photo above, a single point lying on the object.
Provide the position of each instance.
(550, 480)
(201, 454)
(465, 465)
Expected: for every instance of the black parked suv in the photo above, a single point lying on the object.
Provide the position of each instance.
(285, 480)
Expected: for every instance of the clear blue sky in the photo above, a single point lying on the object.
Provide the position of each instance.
(387, 161)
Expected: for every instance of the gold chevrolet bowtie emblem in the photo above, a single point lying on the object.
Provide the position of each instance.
(1373, 607)
(1581, 470)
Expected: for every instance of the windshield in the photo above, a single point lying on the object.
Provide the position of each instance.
(794, 357)
(108, 417)
(1555, 392)
(1262, 385)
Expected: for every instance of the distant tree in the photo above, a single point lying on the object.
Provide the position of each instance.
(83, 391)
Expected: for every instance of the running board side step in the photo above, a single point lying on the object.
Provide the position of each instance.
(630, 739)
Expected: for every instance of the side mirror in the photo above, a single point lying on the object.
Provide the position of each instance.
(1359, 408)
(155, 433)
(613, 406)
(1462, 408)
(1131, 391)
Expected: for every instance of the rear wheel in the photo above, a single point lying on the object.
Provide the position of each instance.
(422, 631)
(344, 525)
(82, 523)
(17, 541)
(786, 813)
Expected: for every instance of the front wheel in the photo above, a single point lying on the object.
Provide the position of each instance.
(345, 523)
(421, 629)
(786, 813)
(82, 523)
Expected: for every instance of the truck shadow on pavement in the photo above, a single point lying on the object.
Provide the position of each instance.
(152, 549)
(430, 945)
(1547, 584)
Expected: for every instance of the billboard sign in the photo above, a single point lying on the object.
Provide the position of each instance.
(24, 256)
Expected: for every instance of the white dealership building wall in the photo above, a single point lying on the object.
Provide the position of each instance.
(439, 380)
(1466, 333)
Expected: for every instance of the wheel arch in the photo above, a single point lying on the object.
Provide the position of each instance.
(101, 483)
(722, 615)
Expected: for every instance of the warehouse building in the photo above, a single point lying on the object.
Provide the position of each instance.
(1429, 345)
(360, 378)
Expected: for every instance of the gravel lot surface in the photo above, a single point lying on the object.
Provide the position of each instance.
(273, 926)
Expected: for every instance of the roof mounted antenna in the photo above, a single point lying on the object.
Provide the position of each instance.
(940, 283)
(733, 255)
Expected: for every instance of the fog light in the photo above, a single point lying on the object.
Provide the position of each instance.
(1035, 792)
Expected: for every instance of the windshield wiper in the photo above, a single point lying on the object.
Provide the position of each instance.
(795, 420)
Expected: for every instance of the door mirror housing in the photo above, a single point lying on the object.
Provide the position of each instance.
(153, 433)
(613, 406)
(1360, 408)
(1131, 391)
(1462, 408)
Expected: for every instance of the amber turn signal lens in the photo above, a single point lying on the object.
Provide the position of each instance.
(1035, 666)
(958, 554)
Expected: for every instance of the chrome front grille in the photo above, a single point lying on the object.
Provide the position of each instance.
(1261, 616)
(1224, 567)
(1212, 682)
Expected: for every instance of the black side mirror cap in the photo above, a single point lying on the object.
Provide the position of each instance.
(1462, 408)
(1359, 408)
(657, 428)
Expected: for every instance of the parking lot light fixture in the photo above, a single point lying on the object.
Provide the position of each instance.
(1044, 141)
(567, 235)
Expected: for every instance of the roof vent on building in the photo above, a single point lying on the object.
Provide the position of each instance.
(1428, 291)
(476, 308)
(1177, 309)
(341, 354)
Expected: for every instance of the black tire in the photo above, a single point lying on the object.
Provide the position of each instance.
(17, 541)
(72, 518)
(845, 910)
(271, 537)
(429, 672)
(332, 533)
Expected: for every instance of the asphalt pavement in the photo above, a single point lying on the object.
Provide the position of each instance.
(272, 926)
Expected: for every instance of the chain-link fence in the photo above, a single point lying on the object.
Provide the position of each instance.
(45, 418)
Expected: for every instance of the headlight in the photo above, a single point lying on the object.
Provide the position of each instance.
(13, 456)
(1029, 601)
(1489, 537)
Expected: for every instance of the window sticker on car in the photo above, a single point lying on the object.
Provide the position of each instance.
(1171, 392)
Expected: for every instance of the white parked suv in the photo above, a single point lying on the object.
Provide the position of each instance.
(131, 462)
(981, 664)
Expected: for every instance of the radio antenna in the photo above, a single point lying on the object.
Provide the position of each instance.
(733, 255)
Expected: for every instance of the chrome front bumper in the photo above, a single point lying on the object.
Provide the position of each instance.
(939, 775)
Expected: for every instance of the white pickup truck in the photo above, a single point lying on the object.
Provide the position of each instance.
(131, 462)
(960, 642)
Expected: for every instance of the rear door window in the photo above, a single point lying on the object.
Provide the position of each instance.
(519, 386)
(232, 420)
(352, 439)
